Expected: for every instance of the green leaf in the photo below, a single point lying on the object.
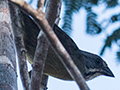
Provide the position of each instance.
(71, 6)
(114, 37)
(111, 3)
(118, 56)
(115, 18)
(93, 27)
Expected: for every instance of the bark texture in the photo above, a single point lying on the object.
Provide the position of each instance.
(8, 77)
(55, 43)
(43, 45)
(18, 26)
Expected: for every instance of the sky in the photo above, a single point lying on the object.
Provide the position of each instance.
(92, 44)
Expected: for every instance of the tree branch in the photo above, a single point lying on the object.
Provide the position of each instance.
(55, 43)
(39, 57)
(21, 52)
(43, 45)
(40, 4)
(8, 75)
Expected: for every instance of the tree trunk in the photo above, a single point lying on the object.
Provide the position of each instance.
(8, 77)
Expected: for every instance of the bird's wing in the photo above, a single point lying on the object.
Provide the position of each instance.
(67, 42)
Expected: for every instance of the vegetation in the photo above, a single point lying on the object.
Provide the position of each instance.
(93, 26)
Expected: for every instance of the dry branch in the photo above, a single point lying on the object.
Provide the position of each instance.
(40, 4)
(8, 75)
(39, 57)
(55, 43)
(43, 45)
(21, 52)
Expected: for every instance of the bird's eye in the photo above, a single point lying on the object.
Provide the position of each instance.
(98, 62)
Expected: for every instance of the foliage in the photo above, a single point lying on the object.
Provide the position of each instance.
(111, 3)
(114, 37)
(93, 26)
(71, 6)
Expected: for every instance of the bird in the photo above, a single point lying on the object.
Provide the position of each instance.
(89, 64)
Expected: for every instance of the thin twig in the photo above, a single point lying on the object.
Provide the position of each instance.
(55, 43)
(40, 4)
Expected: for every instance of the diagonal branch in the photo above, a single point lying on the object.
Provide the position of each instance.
(42, 44)
(55, 43)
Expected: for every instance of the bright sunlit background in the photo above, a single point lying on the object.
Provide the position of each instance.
(92, 44)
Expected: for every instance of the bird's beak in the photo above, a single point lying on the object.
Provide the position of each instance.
(107, 72)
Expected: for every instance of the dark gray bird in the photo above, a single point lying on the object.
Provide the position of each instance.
(90, 65)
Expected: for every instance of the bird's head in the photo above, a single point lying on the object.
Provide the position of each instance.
(95, 66)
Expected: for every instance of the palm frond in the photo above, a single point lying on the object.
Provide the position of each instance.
(115, 18)
(111, 3)
(118, 55)
(71, 6)
(93, 27)
(95, 2)
(115, 36)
